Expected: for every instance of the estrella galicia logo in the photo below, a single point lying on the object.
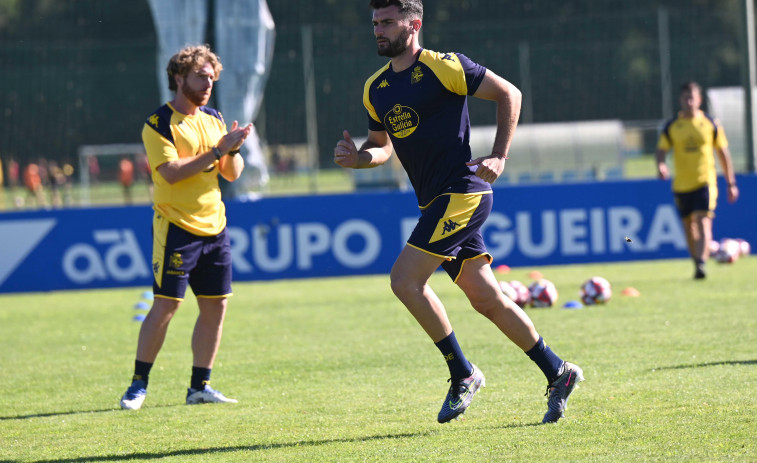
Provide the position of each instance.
(401, 121)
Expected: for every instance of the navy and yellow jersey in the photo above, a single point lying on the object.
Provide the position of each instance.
(692, 140)
(424, 109)
(194, 203)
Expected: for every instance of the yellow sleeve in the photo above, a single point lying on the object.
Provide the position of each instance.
(159, 150)
(447, 68)
(664, 143)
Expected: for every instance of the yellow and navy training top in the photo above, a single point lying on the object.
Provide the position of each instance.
(194, 203)
(692, 140)
(424, 109)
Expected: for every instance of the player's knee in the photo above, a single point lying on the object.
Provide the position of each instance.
(403, 287)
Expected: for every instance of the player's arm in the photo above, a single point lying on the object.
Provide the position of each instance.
(183, 168)
(231, 166)
(724, 156)
(508, 99)
(376, 150)
(662, 167)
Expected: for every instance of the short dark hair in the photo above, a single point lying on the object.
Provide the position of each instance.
(408, 8)
(690, 86)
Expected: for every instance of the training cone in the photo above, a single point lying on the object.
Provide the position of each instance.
(503, 269)
(632, 292)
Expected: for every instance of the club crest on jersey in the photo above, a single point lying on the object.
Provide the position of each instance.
(175, 260)
(416, 75)
(401, 121)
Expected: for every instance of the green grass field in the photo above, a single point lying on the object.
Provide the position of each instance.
(337, 370)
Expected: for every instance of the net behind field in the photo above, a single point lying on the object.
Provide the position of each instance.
(83, 72)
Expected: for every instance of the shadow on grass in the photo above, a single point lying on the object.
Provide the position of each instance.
(237, 448)
(707, 364)
(241, 448)
(75, 412)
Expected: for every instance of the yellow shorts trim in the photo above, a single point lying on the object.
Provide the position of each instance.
(431, 253)
(223, 296)
(462, 264)
(180, 299)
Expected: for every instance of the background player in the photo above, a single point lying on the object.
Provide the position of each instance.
(693, 135)
(417, 106)
(188, 146)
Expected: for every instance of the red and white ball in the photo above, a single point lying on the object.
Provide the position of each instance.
(543, 293)
(522, 294)
(596, 290)
(729, 251)
(744, 246)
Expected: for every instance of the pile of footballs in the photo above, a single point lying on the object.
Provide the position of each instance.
(542, 293)
(729, 250)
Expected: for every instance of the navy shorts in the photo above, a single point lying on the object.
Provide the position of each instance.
(701, 199)
(180, 258)
(450, 228)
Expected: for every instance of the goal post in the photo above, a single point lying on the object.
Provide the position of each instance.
(86, 152)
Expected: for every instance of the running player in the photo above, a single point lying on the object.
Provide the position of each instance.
(417, 106)
(188, 146)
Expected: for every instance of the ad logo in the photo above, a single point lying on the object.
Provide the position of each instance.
(121, 260)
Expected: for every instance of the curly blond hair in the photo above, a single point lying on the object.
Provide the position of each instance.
(189, 58)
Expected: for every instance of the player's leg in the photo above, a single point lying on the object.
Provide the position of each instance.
(152, 334)
(175, 252)
(701, 225)
(208, 330)
(153, 331)
(211, 282)
(482, 289)
(409, 281)
(479, 284)
(696, 209)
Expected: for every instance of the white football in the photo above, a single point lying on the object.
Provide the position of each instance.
(744, 246)
(729, 251)
(522, 294)
(596, 290)
(543, 293)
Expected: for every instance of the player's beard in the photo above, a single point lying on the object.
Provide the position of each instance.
(197, 97)
(395, 47)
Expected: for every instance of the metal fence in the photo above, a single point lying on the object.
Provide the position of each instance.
(90, 79)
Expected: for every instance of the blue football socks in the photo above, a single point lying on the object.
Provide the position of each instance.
(142, 371)
(548, 361)
(200, 377)
(459, 366)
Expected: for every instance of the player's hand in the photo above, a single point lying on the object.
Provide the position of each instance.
(235, 138)
(345, 152)
(662, 171)
(489, 167)
(733, 193)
